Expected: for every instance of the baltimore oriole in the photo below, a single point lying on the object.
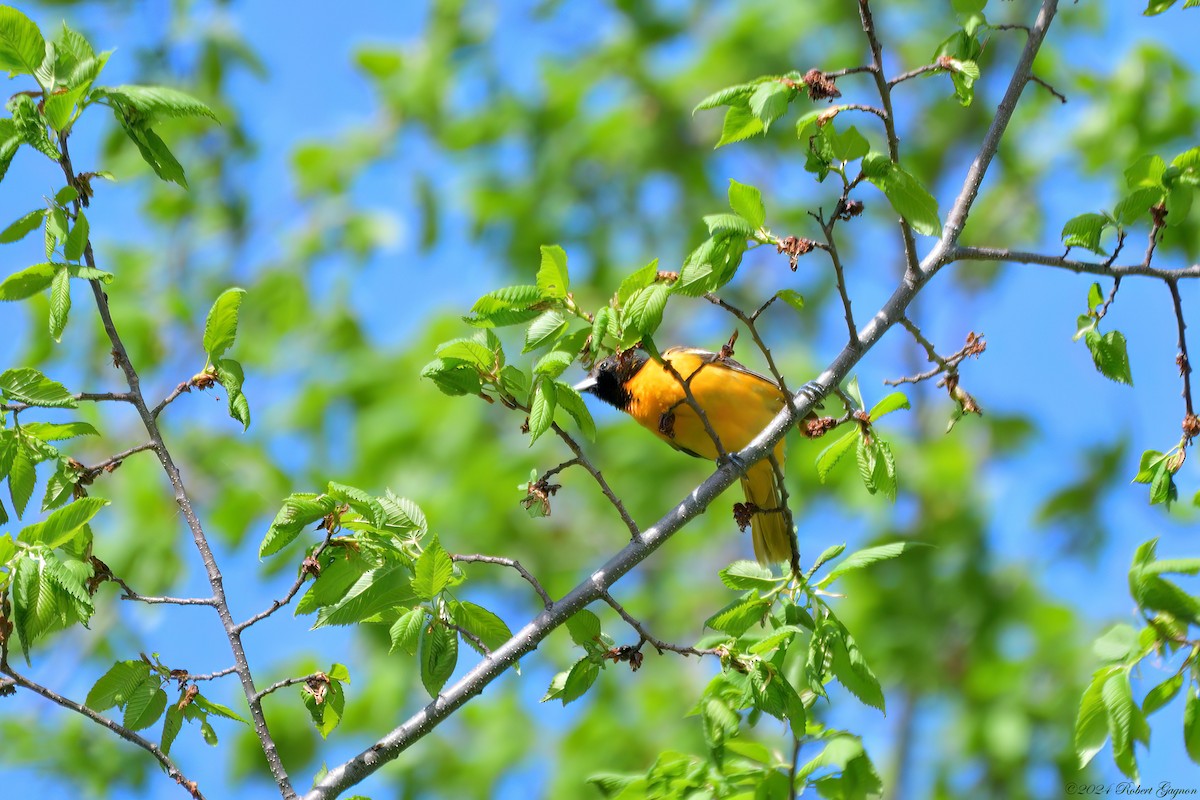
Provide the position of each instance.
(738, 403)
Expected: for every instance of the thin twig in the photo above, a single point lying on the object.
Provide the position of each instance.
(210, 676)
(879, 112)
(111, 463)
(120, 730)
(1062, 98)
(914, 73)
(658, 644)
(512, 563)
(283, 684)
(1185, 366)
(472, 638)
(583, 461)
(794, 767)
(305, 570)
(130, 594)
(838, 73)
(182, 499)
(1088, 267)
(912, 263)
(690, 399)
(839, 270)
(183, 387)
(95, 397)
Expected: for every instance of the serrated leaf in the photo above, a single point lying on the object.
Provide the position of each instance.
(453, 376)
(744, 575)
(77, 239)
(27, 282)
(438, 653)
(22, 476)
(403, 514)
(63, 524)
(552, 278)
(572, 402)
(847, 145)
(22, 48)
(298, 511)
(584, 627)
(893, 402)
(769, 101)
(541, 409)
(852, 671)
(144, 104)
(579, 679)
(544, 330)
(732, 223)
(908, 196)
(23, 226)
(60, 303)
(1191, 724)
(218, 710)
(1137, 204)
(739, 616)
(1110, 355)
(723, 97)
(375, 591)
(114, 687)
(1117, 644)
(406, 630)
(637, 280)
(27, 385)
(866, 557)
(490, 629)
(327, 714)
(740, 123)
(220, 327)
(746, 201)
(89, 273)
(834, 452)
(643, 313)
(432, 571)
(231, 376)
(172, 724)
(1085, 231)
(555, 689)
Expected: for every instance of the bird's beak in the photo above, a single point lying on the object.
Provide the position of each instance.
(586, 385)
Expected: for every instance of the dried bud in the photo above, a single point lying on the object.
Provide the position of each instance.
(820, 86)
(817, 427)
(1191, 426)
(848, 209)
(795, 247)
(188, 696)
(743, 513)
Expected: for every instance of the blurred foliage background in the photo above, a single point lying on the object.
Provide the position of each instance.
(377, 168)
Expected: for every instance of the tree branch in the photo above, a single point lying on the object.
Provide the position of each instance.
(120, 730)
(658, 644)
(1062, 262)
(547, 601)
(219, 602)
(402, 737)
(309, 567)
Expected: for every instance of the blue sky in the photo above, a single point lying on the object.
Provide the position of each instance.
(308, 55)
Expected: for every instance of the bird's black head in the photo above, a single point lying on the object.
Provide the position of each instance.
(608, 378)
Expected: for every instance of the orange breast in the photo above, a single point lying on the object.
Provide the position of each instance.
(738, 404)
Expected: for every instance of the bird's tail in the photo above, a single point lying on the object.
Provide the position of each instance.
(768, 527)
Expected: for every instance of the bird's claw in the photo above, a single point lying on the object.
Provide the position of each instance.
(737, 461)
(812, 391)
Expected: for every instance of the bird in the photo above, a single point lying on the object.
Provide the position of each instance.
(738, 403)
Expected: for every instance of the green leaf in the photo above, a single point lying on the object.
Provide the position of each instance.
(638, 280)
(643, 313)
(218, 710)
(729, 95)
(34, 601)
(1110, 355)
(22, 48)
(1146, 171)
(908, 197)
(116, 686)
(744, 575)
(1085, 231)
(89, 273)
(792, 298)
(849, 145)
(328, 713)
(508, 306)
(552, 278)
(403, 514)
(584, 627)
(768, 102)
(145, 104)
(1119, 643)
(7, 549)
(1095, 297)
(153, 150)
(231, 376)
(453, 376)
(740, 123)
(337, 577)
(432, 571)
(474, 351)
(172, 724)
(77, 239)
(893, 402)
(746, 201)
(27, 385)
(220, 327)
(438, 653)
(1091, 726)
(732, 223)
(375, 591)
(63, 524)
(1162, 694)
(406, 630)
(60, 303)
(572, 402)
(579, 680)
(490, 629)
(541, 410)
(1123, 719)
(544, 330)
(28, 282)
(21, 478)
(853, 672)
(835, 450)
(298, 511)
(59, 109)
(1137, 205)
(1191, 724)
(739, 616)
(10, 142)
(23, 227)
(866, 557)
